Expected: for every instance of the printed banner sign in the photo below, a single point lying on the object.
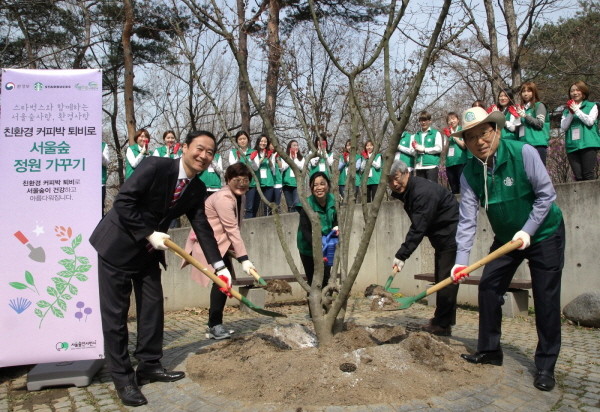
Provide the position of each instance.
(51, 134)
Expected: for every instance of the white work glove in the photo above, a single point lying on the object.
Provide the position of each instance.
(398, 264)
(457, 275)
(225, 276)
(420, 148)
(157, 240)
(246, 266)
(524, 236)
(575, 106)
(521, 112)
(336, 229)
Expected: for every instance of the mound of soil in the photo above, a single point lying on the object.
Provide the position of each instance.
(364, 365)
(278, 287)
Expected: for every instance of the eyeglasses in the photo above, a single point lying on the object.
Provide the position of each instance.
(483, 135)
(240, 181)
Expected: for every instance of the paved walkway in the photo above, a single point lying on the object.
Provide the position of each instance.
(578, 371)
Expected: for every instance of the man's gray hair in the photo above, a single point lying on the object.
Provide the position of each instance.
(398, 166)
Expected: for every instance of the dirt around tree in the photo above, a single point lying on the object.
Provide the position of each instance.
(364, 365)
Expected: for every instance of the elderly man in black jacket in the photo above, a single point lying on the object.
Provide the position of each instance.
(433, 212)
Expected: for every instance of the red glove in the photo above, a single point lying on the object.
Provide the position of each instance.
(253, 154)
(365, 154)
(269, 153)
(457, 275)
(447, 131)
(346, 157)
(414, 143)
(513, 110)
(176, 148)
(491, 108)
(227, 289)
(569, 103)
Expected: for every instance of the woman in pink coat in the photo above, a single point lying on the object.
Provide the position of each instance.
(224, 211)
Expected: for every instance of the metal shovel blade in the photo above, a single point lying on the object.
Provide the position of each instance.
(36, 253)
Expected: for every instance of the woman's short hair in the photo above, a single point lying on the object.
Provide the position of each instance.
(236, 170)
(312, 179)
(583, 88)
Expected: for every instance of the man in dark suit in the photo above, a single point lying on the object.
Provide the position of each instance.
(130, 244)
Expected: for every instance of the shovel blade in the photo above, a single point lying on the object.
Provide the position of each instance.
(36, 253)
(262, 311)
(406, 302)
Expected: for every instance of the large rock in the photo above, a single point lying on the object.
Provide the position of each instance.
(584, 310)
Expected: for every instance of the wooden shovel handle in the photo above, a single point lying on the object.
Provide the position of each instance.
(502, 250)
(192, 261)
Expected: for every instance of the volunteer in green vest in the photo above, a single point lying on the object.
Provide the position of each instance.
(428, 145)
(456, 157)
(105, 163)
(405, 151)
(323, 160)
(535, 120)
(136, 152)
(510, 182)
(580, 124)
(241, 153)
(171, 148)
(290, 185)
(506, 105)
(260, 160)
(276, 163)
(322, 202)
(212, 175)
(344, 168)
(374, 172)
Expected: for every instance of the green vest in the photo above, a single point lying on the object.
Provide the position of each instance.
(374, 174)
(210, 177)
(289, 178)
(428, 159)
(162, 152)
(327, 217)
(533, 136)
(505, 133)
(588, 135)
(104, 170)
(278, 177)
(321, 166)
(405, 142)
(265, 174)
(456, 154)
(135, 149)
(510, 195)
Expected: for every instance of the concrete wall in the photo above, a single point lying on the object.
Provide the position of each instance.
(578, 201)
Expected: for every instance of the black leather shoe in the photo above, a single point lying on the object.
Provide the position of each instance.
(437, 330)
(544, 380)
(158, 375)
(131, 395)
(485, 358)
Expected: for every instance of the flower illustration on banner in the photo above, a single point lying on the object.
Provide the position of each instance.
(64, 234)
(87, 311)
(64, 283)
(19, 305)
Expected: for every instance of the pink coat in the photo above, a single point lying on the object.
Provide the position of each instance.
(225, 219)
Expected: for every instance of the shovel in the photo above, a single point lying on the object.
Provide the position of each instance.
(258, 278)
(35, 253)
(191, 260)
(407, 302)
(389, 282)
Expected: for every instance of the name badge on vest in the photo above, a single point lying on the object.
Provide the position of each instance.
(575, 134)
(321, 167)
(263, 173)
(451, 152)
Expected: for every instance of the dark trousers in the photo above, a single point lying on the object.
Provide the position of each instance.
(445, 299)
(250, 195)
(453, 174)
(218, 299)
(291, 197)
(546, 260)
(583, 163)
(115, 286)
(429, 174)
(269, 193)
(542, 151)
(103, 198)
(371, 190)
(309, 269)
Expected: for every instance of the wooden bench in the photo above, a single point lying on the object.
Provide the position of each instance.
(516, 301)
(250, 281)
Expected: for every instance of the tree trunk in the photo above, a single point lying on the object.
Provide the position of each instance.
(128, 65)
(243, 52)
(512, 37)
(274, 50)
(497, 83)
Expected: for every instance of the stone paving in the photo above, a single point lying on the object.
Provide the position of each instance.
(578, 370)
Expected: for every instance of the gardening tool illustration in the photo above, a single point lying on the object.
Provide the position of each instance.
(406, 302)
(191, 260)
(35, 253)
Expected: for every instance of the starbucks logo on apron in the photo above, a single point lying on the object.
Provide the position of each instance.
(509, 181)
